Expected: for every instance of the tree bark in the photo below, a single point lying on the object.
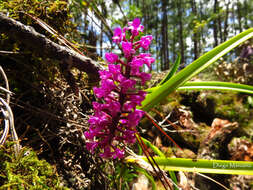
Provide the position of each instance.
(174, 43)
(245, 12)
(44, 47)
(219, 24)
(239, 15)
(195, 33)
(215, 31)
(181, 35)
(164, 51)
(225, 33)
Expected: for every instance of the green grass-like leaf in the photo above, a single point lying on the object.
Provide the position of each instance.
(153, 147)
(203, 166)
(217, 85)
(160, 154)
(172, 71)
(150, 177)
(194, 68)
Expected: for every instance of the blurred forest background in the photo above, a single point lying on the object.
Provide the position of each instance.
(188, 27)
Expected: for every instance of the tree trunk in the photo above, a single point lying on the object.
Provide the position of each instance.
(157, 39)
(47, 48)
(215, 31)
(245, 10)
(195, 34)
(137, 3)
(174, 43)
(219, 23)
(165, 51)
(181, 35)
(239, 15)
(101, 40)
(104, 12)
(225, 33)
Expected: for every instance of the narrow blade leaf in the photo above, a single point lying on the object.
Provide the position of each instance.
(172, 71)
(194, 68)
(217, 85)
(201, 165)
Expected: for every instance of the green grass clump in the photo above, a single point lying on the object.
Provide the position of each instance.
(25, 171)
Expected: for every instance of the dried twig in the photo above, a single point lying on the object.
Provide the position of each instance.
(9, 116)
(44, 47)
(6, 127)
(6, 85)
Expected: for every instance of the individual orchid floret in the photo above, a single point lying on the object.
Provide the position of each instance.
(134, 118)
(127, 84)
(111, 57)
(135, 27)
(118, 35)
(128, 49)
(145, 41)
(115, 118)
(106, 87)
(136, 64)
(144, 77)
(115, 72)
(146, 57)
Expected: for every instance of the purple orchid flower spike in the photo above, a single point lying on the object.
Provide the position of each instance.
(115, 116)
(111, 57)
(135, 26)
(118, 35)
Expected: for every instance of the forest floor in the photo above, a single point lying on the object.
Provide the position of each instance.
(210, 125)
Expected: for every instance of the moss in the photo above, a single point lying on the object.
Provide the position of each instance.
(231, 106)
(26, 171)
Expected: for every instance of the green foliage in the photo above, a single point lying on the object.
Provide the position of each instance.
(217, 85)
(26, 171)
(193, 69)
(160, 154)
(123, 176)
(233, 107)
(134, 12)
(180, 81)
(204, 166)
(172, 71)
(45, 10)
(150, 177)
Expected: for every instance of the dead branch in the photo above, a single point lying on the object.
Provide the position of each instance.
(44, 47)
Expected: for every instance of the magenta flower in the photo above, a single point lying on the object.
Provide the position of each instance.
(111, 57)
(129, 106)
(118, 35)
(144, 77)
(118, 153)
(135, 27)
(116, 117)
(147, 59)
(115, 72)
(145, 41)
(91, 146)
(127, 84)
(128, 49)
(136, 64)
(107, 85)
(134, 118)
(137, 98)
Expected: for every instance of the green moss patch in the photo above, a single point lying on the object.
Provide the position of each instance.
(25, 171)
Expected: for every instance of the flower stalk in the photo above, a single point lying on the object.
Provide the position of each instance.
(115, 115)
